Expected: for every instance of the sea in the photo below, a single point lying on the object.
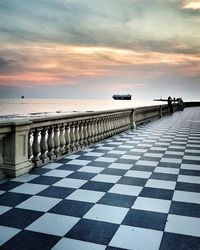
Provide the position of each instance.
(21, 108)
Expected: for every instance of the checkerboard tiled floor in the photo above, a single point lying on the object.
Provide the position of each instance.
(137, 190)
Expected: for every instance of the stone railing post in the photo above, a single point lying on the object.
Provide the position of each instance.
(76, 134)
(81, 135)
(72, 137)
(15, 153)
(36, 148)
(62, 139)
(67, 139)
(43, 146)
(132, 118)
(56, 141)
(50, 144)
(85, 133)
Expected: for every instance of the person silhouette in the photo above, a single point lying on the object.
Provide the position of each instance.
(170, 106)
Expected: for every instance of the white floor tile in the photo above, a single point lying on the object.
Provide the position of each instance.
(138, 174)
(117, 152)
(58, 173)
(177, 147)
(39, 203)
(54, 224)
(70, 183)
(106, 213)
(161, 184)
(189, 179)
(125, 189)
(171, 160)
(66, 243)
(106, 159)
(190, 166)
(120, 166)
(135, 238)
(166, 170)
(139, 150)
(150, 204)
(106, 178)
(72, 157)
(192, 158)
(78, 162)
(158, 148)
(183, 225)
(106, 148)
(85, 195)
(52, 165)
(153, 155)
(29, 188)
(91, 169)
(193, 145)
(125, 146)
(25, 178)
(174, 153)
(192, 151)
(7, 233)
(131, 157)
(191, 197)
(148, 145)
(147, 163)
(94, 154)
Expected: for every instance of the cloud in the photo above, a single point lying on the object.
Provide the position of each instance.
(191, 4)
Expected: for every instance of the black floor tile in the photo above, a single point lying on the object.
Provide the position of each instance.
(87, 158)
(125, 161)
(132, 181)
(117, 200)
(157, 193)
(143, 168)
(40, 171)
(19, 218)
(71, 208)
(190, 172)
(114, 171)
(8, 185)
(70, 167)
(162, 176)
(99, 164)
(45, 180)
(171, 241)
(145, 219)
(31, 241)
(185, 208)
(93, 231)
(81, 175)
(169, 165)
(190, 187)
(56, 192)
(97, 186)
(12, 199)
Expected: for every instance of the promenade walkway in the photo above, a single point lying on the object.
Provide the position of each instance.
(137, 190)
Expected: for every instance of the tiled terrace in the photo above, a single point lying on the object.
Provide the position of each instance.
(137, 190)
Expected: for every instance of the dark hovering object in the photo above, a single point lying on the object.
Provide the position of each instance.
(122, 97)
(22, 96)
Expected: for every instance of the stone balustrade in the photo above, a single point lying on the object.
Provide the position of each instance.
(25, 144)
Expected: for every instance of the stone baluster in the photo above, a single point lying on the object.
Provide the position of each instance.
(112, 125)
(56, 141)
(30, 151)
(85, 133)
(50, 144)
(67, 139)
(95, 130)
(81, 135)
(36, 148)
(2, 175)
(76, 133)
(89, 131)
(98, 129)
(105, 127)
(43, 146)
(72, 137)
(115, 124)
(62, 139)
(92, 130)
(118, 123)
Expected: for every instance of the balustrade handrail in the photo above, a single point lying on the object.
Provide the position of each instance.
(36, 141)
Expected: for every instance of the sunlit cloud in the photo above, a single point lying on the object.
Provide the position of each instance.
(52, 64)
(191, 4)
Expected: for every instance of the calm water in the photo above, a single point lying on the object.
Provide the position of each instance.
(43, 107)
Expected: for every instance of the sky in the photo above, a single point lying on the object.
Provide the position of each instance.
(97, 48)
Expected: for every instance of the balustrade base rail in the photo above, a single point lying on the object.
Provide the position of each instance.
(25, 144)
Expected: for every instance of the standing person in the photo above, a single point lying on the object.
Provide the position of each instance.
(169, 100)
